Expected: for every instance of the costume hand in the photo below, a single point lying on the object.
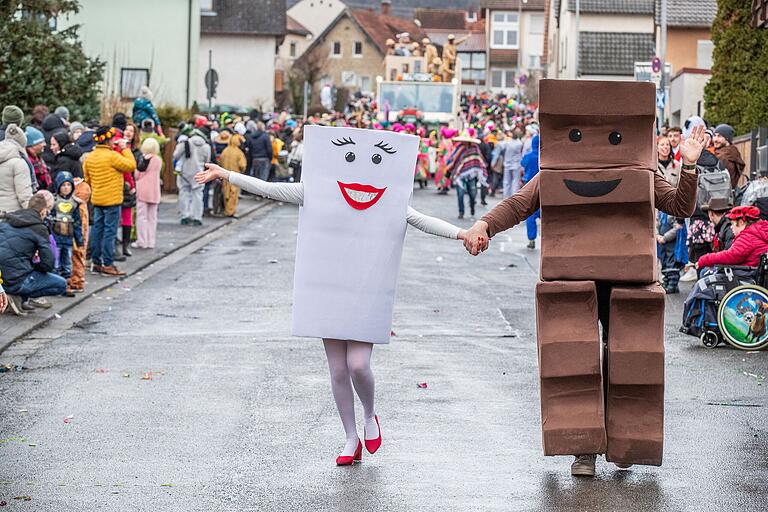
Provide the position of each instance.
(691, 148)
(211, 172)
(476, 238)
(3, 302)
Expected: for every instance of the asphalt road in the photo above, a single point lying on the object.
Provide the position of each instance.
(181, 389)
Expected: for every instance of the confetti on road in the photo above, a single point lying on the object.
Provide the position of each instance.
(421, 385)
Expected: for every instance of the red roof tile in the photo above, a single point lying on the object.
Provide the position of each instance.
(294, 27)
(381, 27)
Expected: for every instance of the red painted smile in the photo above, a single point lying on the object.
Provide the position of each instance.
(360, 197)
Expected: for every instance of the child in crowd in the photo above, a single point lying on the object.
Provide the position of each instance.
(671, 237)
(751, 240)
(76, 282)
(67, 225)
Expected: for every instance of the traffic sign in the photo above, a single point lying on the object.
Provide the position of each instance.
(661, 99)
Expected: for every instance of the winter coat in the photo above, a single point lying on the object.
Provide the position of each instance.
(51, 124)
(103, 170)
(530, 162)
(731, 159)
(746, 249)
(725, 236)
(21, 237)
(259, 146)
(68, 159)
(670, 170)
(66, 214)
(15, 181)
(192, 154)
(148, 182)
(144, 109)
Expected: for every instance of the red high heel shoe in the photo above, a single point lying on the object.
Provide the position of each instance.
(373, 444)
(348, 460)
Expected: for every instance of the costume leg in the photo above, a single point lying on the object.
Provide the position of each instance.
(572, 407)
(635, 356)
(341, 385)
(359, 365)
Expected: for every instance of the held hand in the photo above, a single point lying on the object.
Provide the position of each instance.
(660, 239)
(3, 302)
(476, 238)
(691, 148)
(462, 234)
(211, 172)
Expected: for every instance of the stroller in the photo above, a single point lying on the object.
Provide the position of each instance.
(730, 305)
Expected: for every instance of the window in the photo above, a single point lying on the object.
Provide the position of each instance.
(505, 27)
(131, 81)
(292, 50)
(534, 62)
(537, 24)
(472, 66)
(358, 49)
(471, 16)
(704, 54)
(502, 78)
(365, 83)
(206, 8)
(336, 51)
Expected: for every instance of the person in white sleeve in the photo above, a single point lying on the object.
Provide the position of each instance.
(354, 198)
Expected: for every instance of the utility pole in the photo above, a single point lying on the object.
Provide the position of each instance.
(519, 44)
(663, 57)
(578, 38)
(210, 82)
(306, 98)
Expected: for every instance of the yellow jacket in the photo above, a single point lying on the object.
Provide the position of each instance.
(103, 170)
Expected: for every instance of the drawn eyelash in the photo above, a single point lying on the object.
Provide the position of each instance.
(342, 142)
(385, 147)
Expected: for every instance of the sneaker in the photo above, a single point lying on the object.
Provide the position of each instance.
(40, 302)
(96, 269)
(689, 275)
(127, 251)
(196, 222)
(184, 221)
(622, 466)
(584, 465)
(531, 244)
(15, 305)
(461, 216)
(111, 271)
(77, 290)
(26, 306)
(68, 293)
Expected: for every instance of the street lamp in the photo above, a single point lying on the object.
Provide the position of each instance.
(519, 42)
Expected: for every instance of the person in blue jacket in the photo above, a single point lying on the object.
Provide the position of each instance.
(530, 165)
(144, 109)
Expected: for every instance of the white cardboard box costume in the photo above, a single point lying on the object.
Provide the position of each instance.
(357, 189)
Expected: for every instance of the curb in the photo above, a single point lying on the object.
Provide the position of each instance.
(86, 295)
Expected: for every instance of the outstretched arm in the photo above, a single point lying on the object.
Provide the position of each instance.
(681, 201)
(285, 192)
(433, 225)
(507, 214)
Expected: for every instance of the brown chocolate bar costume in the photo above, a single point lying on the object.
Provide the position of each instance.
(597, 189)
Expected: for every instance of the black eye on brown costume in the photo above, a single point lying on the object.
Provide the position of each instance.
(614, 138)
(349, 157)
(575, 135)
(376, 158)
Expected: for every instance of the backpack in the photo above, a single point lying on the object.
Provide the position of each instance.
(714, 181)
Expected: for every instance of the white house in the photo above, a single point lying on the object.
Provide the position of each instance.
(515, 40)
(147, 43)
(242, 37)
(315, 15)
(612, 36)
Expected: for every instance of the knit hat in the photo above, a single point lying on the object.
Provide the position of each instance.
(34, 136)
(16, 134)
(86, 141)
(62, 112)
(119, 121)
(726, 131)
(146, 93)
(76, 126)
(13, 115)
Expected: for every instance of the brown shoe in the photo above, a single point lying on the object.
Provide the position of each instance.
(111, 271)
(96, 269)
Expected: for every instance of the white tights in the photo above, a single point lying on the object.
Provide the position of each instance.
(350, 364)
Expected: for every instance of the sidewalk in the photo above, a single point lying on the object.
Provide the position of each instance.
(171, 236)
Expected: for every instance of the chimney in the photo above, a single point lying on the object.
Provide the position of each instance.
(385, 6)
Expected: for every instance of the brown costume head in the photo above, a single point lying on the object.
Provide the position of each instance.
(597, 161)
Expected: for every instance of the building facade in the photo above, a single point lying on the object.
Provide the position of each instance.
(515, 41)
(159, 50)
(242, 38)
(612, 35)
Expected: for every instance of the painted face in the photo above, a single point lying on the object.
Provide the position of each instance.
(361, 196)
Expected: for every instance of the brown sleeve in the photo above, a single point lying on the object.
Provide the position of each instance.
(680, 201)
(514, 209)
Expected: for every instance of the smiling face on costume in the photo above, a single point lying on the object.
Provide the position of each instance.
(361, 196)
